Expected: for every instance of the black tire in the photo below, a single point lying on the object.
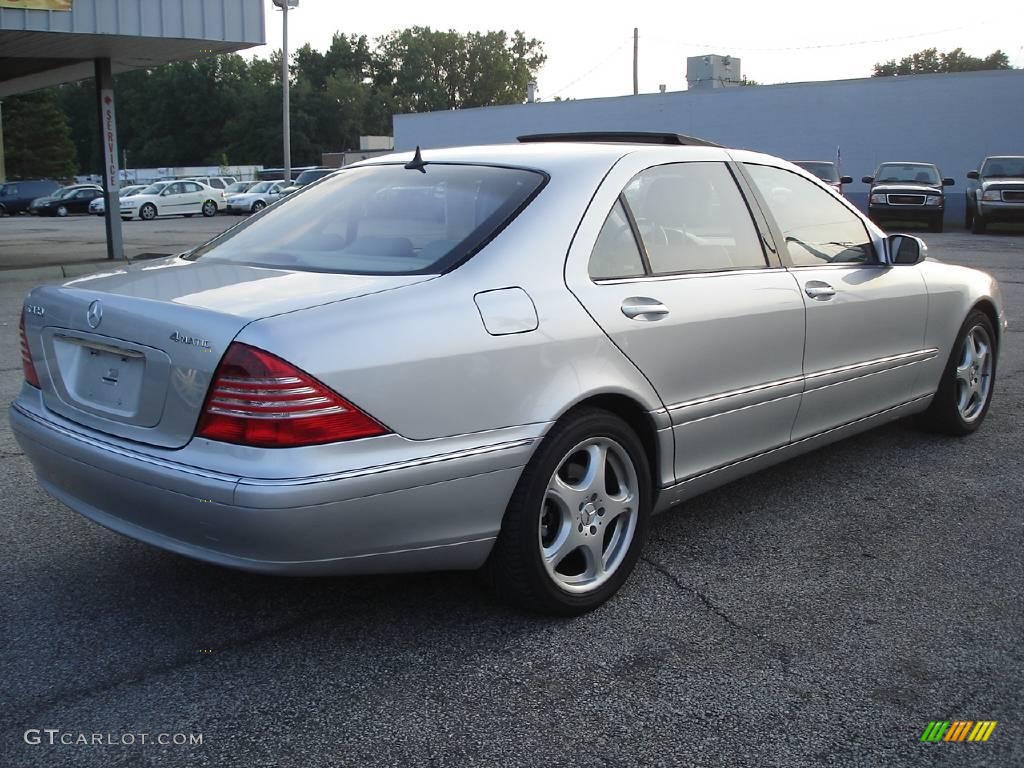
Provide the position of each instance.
(978, 224)
(258, 206)
(943, 415)
(3, 211)
(209, 209)
(515, 570)
(935, 225)
(968, 217)
(147, 212)
(62, 211)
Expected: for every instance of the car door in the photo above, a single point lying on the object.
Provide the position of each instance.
(197, 195)
(676, 273)
(865, 318)
(80, 202)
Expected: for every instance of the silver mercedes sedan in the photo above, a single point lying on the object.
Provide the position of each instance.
(505, 357)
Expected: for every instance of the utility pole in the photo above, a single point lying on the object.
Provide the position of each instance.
(636, 54)
(284, 5)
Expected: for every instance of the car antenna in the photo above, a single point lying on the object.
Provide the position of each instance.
(416, 164)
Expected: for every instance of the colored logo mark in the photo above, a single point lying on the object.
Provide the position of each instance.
(958, 730)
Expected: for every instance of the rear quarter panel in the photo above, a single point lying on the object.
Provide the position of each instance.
(420, 359)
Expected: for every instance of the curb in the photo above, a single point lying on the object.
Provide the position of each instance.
(61, 271)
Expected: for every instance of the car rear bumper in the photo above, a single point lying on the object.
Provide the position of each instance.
(443, 512)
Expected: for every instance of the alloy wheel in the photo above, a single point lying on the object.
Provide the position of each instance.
(589, 515)
(974, 374)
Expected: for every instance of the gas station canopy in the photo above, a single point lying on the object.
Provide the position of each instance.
(47, 42)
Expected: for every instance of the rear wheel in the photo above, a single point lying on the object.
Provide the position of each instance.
(147, 212)
(575, 525)
(209, 209)
(968, 381)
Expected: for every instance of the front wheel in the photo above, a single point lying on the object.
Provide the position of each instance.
(575, 525)
(258, 206)
(968, 381)
(209, 209)
(977, 224)
(935, 225)
(147, 212)
(62, 211)
(968, 218)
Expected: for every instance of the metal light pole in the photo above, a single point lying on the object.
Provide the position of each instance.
(284, 5)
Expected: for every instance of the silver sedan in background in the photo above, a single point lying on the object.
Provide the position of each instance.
(505, 357)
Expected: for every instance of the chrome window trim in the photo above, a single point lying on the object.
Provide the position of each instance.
(686, 275)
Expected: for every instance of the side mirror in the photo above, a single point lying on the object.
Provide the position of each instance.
(846, 179)
(867, 179)
(948, 182)
(973, 175)
(906, 249)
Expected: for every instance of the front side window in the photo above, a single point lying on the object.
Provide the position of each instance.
(818, 229)
(381, 220)
(692, 218)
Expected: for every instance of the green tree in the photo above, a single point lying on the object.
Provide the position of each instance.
(421, 69)
(37, 138)
(930, 60)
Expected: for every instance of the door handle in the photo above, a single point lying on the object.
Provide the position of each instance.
(819, 290)
(643, 308)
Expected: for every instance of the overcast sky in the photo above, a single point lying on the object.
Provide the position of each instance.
(590, 44)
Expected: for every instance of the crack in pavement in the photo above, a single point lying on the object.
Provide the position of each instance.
(73, 697)
(779, 651)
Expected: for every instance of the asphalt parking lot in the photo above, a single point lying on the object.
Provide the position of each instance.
(36, 241)
(819, 613)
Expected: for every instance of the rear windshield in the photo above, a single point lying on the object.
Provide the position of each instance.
(911, 172)
(824, 171)
(1003, 167)
(381, 220)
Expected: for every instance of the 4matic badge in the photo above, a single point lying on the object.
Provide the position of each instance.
(181, 338)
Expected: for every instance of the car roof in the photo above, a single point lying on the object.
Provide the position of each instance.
(906, 162)
(550, 156)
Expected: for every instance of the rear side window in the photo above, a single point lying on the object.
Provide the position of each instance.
(616, 253)
(692, 218)
(381, 220)
(818, 229)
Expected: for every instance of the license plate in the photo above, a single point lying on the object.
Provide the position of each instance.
(109, 379)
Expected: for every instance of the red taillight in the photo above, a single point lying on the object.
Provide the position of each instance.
(26, 356)
(260, 400)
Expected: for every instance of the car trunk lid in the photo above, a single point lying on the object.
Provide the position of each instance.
(132, 352)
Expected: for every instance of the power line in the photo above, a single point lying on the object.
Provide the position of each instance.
(591, 71)
(849, 44)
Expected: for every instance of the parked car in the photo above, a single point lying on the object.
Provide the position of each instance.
(307, 177)
(65, 201)
(257, 198)
(172, 198)
(826, 171)
(995, 192)
(908, 192)
(584, 337)
(17, 196)
(98, 207)
(216, 182)
(238, 188)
